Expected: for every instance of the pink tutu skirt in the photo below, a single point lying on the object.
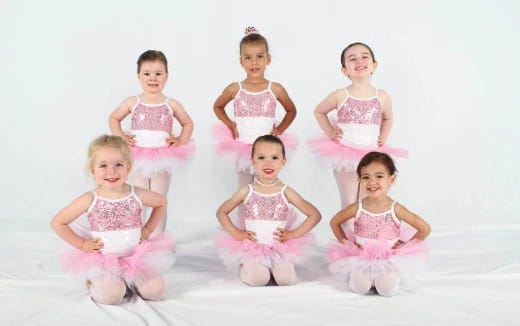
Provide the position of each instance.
(153, 256)
(233, 252)
(240, 152)
(377, 257)
(346, 157)
(149, 161)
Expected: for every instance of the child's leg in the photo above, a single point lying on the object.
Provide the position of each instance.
(160, 183)
(348, 186)
(348, 190)
(284, 273)
(151, 288)
(107, 289)
(254, 274)
(387, 284)
(360, 282)
(244, 178)
(141, 182)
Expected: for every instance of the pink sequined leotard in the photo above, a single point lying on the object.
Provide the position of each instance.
(152, 125)
(263, 214)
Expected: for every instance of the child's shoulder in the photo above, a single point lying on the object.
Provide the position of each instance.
(130, 100)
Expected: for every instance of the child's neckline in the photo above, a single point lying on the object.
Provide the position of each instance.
(389, 210)
(349, 94)
(130, 192)
(241, 86)
(251, 187)
(140, 100)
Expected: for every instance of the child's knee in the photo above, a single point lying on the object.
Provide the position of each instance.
(360, 282)
(284, 274)
(387, 284)
(152, 288)
(107, 290)
(254, 274)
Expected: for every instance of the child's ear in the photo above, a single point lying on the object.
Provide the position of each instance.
(392, 178)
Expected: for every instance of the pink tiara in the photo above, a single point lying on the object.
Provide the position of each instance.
(251, 30)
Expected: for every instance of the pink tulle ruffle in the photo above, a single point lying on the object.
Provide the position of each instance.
(341, 156)
(152, 256)
(241, 152)
(233, 252)
(149, 161)
(377, 257)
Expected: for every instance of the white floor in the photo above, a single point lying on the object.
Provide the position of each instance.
(473, 279)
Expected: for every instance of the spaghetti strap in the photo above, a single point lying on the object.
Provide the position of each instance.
(239, 85)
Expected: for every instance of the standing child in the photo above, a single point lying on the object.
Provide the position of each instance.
(377, 253)
(254, 107)
(155, 148)
(364, 121)
(119, 252)
(269, 243)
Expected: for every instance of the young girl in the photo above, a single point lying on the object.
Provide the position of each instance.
(269, 243)
(364, 121)
(254, 107)
(119, 252)
(377, 253)
(154, 147)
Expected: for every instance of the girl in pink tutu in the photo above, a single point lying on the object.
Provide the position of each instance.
(155, 148)
(254, 107)
(363, 122)
(119, 252)
(266, 241)
(377, 253)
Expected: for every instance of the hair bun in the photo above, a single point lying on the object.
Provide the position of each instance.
(251, 30)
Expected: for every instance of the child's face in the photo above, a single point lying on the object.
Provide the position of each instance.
(254, 59)
(375, 180)
(152, 76)
(109, 168)
(268, 160)
(358, 62)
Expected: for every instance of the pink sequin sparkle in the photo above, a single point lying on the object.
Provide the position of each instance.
(152, 117)
(376, 226)
(111, 215)
(266, 207)
(262, 104)
(361, 111)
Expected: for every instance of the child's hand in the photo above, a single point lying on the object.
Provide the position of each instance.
(233, 129)
(92, 245)
(145, 234)
(129, 139)
(337, 135)
(398, 244)
(245, 234)
(275, 131)
(172, 140)
(380, 141)
(284, 235)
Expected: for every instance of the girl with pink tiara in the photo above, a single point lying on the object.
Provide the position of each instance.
(155, 148)
(269, 242)
(364, 121)
(377, 253)
(254, 107)
(119, 251)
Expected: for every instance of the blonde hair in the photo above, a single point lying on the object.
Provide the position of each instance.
(110, 141)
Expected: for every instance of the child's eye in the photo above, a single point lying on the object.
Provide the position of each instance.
(275, 157)
(102, 166)
(260, 157)
(247, 57)
(158, 74)
(119, 165)
(365, 177)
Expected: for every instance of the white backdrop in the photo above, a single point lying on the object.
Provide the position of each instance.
(450, 67)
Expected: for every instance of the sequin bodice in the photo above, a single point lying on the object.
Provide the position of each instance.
(152, 117)
(376, 226)
(114, 214)
(271, 207)
(360, 111)
(258, 104)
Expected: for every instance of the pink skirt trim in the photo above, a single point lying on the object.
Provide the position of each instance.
(378, 257)
(152, 256)
(239, 151)
(149, 161)
(341, 156)
(233, 252)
